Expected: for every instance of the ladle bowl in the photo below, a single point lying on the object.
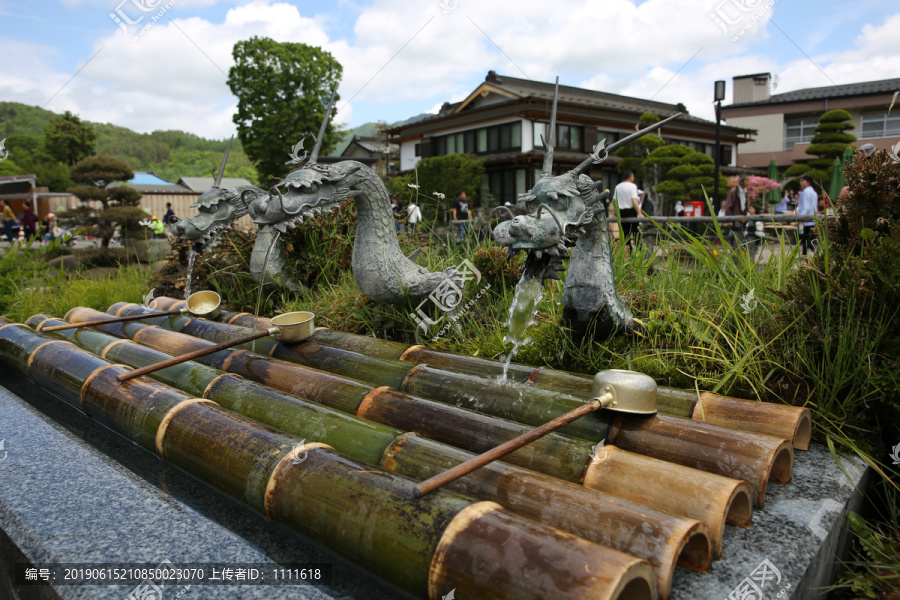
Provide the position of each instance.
(294, 326)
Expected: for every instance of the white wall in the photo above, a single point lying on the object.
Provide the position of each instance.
(770, 136)
(527, 135)
(408, 158)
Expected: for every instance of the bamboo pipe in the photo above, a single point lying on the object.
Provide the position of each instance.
(194, 435)
(534, 406)
(477, 462)
(792, 423)
(111, 320)
(676, 486)
(663, 540)
(780, 420)
(196, 354)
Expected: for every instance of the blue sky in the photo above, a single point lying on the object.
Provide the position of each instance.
(404, 57)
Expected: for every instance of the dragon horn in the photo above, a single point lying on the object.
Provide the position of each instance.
(548, 147)
(218, 179)
(585, 166)
(318, 146)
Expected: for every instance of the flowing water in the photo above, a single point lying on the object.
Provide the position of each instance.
(522, 313)
(262, 282)
(192, 256)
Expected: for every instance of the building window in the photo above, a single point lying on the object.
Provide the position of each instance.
(568, 137)
(417, 150)
(799, 131)
(609, 136)
(506, 184)
(880, 125)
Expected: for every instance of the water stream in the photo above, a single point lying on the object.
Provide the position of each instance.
(192, 256)
(262, 283)
(522, 313)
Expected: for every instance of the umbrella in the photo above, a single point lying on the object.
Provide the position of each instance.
(837, 179)
(773, 196)
(848, 155)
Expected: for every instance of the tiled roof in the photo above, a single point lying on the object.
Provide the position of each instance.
(864, 88)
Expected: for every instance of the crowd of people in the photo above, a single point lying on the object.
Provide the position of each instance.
(28, 228)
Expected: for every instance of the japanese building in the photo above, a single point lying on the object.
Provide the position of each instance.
(503, 119)
(786, 122)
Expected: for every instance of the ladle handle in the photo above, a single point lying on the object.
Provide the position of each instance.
(462, 469)
(111, 320)
(177, 360)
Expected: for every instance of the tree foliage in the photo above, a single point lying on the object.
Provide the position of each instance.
(440, 175)
(686, 175)
(69, 139)
(828, 143)
(94, 176)
(282, 90)
(634, 154)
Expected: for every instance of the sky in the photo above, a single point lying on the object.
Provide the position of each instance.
(162, 64)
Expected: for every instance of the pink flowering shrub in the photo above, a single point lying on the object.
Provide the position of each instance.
(759, 186)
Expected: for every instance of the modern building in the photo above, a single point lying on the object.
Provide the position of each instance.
(16, 189)
(786, 122)
(503, 120)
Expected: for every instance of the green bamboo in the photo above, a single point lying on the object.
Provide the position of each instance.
(366, 514)
(369, 346)
(613, 522)
(562, 456)
(17, 343)
(517, 402)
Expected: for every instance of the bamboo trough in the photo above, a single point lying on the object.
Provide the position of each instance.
(394, 407)
(424, 546)
(767, 457)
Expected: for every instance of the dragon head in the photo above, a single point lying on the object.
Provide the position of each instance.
(217, 208)
(303, 193)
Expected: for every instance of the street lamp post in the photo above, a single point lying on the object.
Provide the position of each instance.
(719, 96)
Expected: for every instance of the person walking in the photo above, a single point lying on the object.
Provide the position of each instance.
(736, 205)
(398, 214)
(461, 214)
(808, 204)
(628, 203)
(10, 222)
(415, 215)
(157, 227)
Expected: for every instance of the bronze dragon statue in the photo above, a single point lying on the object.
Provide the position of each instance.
(381, 270)
(564, 208)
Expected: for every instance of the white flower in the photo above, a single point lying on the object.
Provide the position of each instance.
(413, 185)
(439, 195)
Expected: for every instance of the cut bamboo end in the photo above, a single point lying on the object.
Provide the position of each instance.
(485, 546)
(368, 401)
(753, 457)
(167, 418)
(110, 346)
(30, 362)
(212, 384)
(290, 459)
(791, 423)
(674, 489)
(88, 382)
(237, 316)
(119, 307)
(411, 353)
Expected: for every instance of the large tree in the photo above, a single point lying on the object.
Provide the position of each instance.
(120, 203)
(439, 180)
(69, 140)
(634, 154)
(686, 175)
(282, 90)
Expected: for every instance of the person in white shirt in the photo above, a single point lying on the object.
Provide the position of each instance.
(626, 198)
(415, 215)
(808, 204)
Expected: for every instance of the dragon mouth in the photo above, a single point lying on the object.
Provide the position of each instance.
(204, 229)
